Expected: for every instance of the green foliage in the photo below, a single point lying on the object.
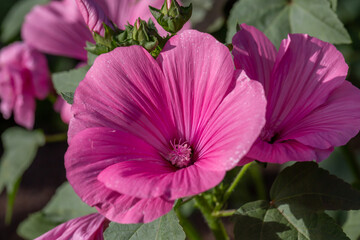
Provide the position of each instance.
(299, 196)
(165, 228)
(352, 225)
(277, 18)
(14, 19)
(20, 147)
(64, 205)
(65, 83)
(262, 221)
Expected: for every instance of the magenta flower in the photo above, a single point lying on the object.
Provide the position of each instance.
(64, 32)
(311, 108)
(24, 77)
(64, 108)
(89, 227)
(146, 132)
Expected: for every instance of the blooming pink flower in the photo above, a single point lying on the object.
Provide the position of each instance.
(63, 31)
(146, 132)
(24, 76)
(89, 227)
(311, 107)
(64, 109)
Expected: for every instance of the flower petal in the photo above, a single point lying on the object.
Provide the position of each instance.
(158, 179)
(281, 152)
(101, 148)
(93, 15)
(89, 227)
(234, 127)
(124, 90)
(306, 71)
(57, 28)
(199, 71)
(254, 53)
(332, 124)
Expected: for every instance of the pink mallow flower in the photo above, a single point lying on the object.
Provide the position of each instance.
(24, 76)
(89, 227)
(64, 108)
(146, 132)
(58, 27)
(311, 108)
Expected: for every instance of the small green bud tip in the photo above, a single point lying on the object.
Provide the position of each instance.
(168, 4)
(137, 23)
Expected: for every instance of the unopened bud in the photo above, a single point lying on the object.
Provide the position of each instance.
(172, 16)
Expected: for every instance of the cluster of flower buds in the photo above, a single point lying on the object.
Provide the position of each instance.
(171, 17)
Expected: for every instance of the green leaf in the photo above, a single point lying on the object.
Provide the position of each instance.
(35, 225)
(352, 225)
(277, 18)
(65, 83)
(333, 4)
(261, 221)
(63, 206)
(299, 196)
(308, 185)
(166, 227)
(20, 147)
(14, 19)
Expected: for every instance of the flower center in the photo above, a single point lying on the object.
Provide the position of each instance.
(180, 156)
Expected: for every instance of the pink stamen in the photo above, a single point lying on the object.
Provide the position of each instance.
(180, 156)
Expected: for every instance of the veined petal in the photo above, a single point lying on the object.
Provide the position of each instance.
(234, 126)
(281, 152)
(159, 178)
(89, 227)
(124, 90)
(254, 53)
(101, 148)
(332, 124)
(57, 28)
(306, 71)
(93, 15)
(198, 79)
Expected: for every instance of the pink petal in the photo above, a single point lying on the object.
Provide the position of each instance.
(101, 148)
(254, 53)
(7, 93)
(281, 152)
(234, 126)
(306, 71)
(89, 227)
(125, 90)
(36, 63)
(332, 124)
(158, 178)
(57, 28)
(64, 109)
(93, 15)
(24, 110)
(199, 71)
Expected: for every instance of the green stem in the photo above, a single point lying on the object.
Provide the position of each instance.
(215, 224)
(10, 202)
(259, 182)
(352, 161)
(224, 213)
(233, 185)
(188, 227)
(60, 137)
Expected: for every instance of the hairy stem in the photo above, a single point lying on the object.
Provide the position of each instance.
(233, 185)
(215, 224)
(191, 232)
(60, 137)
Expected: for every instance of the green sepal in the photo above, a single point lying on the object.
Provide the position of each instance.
(174, 18)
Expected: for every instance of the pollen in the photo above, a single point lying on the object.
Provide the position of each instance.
(180, 155)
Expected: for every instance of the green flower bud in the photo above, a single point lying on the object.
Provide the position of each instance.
(172, 16)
